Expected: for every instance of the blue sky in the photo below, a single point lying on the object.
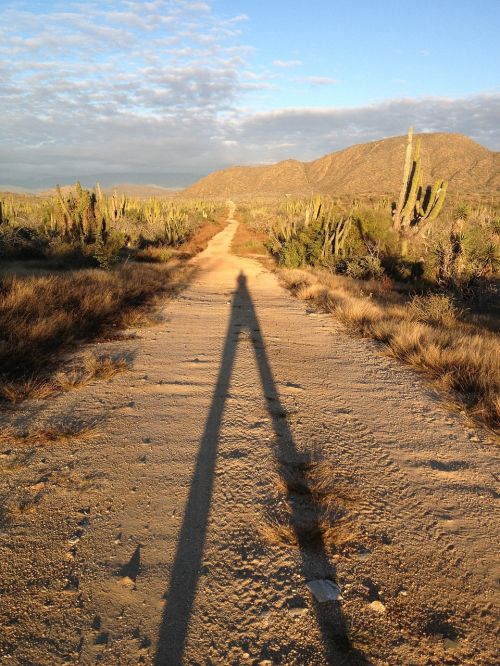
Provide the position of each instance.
(128, 90)
(375, 49)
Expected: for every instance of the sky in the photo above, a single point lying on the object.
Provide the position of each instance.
(165, 91)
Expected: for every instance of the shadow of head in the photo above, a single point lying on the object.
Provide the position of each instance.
(131, 569)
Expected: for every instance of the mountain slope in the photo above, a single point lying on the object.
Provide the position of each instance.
(369, 168)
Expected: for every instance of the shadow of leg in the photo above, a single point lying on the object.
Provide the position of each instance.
(185, 571)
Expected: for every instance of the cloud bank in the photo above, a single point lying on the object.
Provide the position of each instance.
(134, 88)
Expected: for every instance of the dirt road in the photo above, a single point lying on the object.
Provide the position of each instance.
(161, 541)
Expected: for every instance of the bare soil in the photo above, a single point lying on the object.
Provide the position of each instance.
(254, 447)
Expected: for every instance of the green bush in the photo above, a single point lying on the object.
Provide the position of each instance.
(364, 268)
(292, 254)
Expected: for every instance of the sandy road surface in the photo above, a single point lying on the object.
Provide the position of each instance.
(147, 545)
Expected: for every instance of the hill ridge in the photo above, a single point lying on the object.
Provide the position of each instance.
(364, 168)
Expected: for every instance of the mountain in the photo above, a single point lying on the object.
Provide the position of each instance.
(373, 168)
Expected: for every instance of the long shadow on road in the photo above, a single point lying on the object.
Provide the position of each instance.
(181, 592)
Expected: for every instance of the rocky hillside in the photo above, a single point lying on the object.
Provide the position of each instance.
(366, 169)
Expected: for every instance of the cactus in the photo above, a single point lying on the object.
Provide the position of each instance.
(335, 232)
(415, 207)
(313, 211)
(152, 212)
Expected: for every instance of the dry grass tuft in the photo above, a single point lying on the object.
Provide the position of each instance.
(296, 530)
(436, 309)
(40, 388)
(315, 510)
(427, 334)
(91, 367)
(32, 388)
(292, 480)
(60, 432)
(154, 255)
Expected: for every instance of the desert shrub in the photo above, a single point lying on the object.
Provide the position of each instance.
(154, 255)
(364, 268)
(292, 254)
(87, 226)
(65, 254)
(435, 309)
(374, 227)
(21, 243)
(403, 270)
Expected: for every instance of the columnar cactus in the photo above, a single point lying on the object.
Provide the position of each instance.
(415, 207)
(335, 230)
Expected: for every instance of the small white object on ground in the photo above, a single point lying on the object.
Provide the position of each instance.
(377, 606)
(324, 590)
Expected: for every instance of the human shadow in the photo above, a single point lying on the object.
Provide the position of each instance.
(315, 563)
(131, 568)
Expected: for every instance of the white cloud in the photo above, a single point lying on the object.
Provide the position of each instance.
(321, 80)
(286, 64)
(310, 133)
(160, 87)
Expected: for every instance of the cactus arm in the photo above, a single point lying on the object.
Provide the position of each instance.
(438, 200)
(406, 176)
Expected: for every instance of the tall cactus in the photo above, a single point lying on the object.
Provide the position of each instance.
(416, 207)
(313, 211)
(335, 231)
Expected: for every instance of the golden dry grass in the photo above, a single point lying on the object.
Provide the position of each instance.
(311, 508)
(59, 432)
(460, 359)
(42, 316)
(91, 366)
(154, 255)
(79, 373)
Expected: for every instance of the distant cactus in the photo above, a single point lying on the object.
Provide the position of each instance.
(335, 231)
(416, 207)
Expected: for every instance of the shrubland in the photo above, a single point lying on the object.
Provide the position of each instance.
(80, 266)
(420, 274)
(86, 228)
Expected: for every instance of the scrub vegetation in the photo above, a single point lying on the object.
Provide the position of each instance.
(420, 274)
(80, 266)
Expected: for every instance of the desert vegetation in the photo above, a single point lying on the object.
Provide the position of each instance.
(87, 228)
(81, 265)
(420, 274)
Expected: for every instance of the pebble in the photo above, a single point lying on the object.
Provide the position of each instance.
(324, 590)
(377, 606)
(127, 582)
